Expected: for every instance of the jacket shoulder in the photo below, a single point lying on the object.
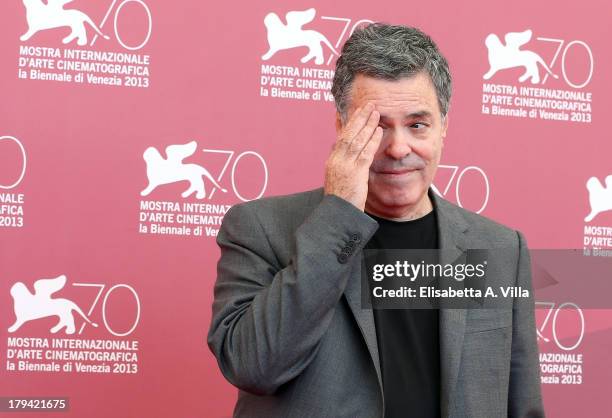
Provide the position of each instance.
(494, 233)
(278, 213)
(283, 204)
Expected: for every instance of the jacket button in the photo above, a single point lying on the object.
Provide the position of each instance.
(356, 237)
(343, 258)
(351, 245)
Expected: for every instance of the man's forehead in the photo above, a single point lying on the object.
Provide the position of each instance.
(413, 82)
(411, 96)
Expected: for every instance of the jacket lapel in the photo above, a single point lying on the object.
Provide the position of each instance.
(452, 240)
(364, 317)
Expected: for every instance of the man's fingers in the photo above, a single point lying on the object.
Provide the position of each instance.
(366, 155)
(344, 138)
(344, 176)
(364, 135)
(361, 119)
(357, 121)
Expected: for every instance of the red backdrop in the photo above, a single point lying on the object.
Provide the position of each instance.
(76, 120)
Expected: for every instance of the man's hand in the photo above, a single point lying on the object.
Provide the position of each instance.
(348, 167)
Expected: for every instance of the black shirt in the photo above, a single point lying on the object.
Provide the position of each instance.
(408, 340)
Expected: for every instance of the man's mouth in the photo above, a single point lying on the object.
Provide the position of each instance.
(397, 172)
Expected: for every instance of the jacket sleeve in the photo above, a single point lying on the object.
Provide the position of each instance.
(267, 319)
(524, 398)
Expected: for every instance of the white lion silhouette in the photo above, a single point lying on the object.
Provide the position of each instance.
(291, 35)
(172, 169)
(510, 55)
(600, 197)
(28, 306)
(41, 16)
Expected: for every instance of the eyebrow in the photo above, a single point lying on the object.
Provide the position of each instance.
(413, 115)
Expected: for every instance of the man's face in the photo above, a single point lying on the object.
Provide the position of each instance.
(413, 131)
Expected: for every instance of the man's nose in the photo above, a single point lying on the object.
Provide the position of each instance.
(397, 143)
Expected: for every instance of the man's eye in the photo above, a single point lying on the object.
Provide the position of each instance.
(418, 125)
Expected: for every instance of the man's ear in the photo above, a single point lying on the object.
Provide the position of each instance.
(338, 122)
(444, 126)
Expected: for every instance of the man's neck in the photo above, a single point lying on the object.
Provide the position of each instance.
(416, 211)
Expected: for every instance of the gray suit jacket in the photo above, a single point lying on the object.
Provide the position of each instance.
(288, 329)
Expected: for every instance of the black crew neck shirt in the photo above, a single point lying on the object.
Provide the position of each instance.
(408, 340)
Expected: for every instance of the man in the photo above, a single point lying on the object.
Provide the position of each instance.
(288, 328)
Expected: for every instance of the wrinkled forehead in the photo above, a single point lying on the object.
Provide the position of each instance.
(407, 97)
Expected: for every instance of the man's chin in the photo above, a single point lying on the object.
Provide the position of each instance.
(397, 196)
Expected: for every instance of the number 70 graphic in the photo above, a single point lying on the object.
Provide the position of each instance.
(457, 185)
(105, 298)
(116, 19)
(230, 155)
(554, 324)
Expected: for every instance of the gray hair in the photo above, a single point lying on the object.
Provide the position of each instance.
(390, 52)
